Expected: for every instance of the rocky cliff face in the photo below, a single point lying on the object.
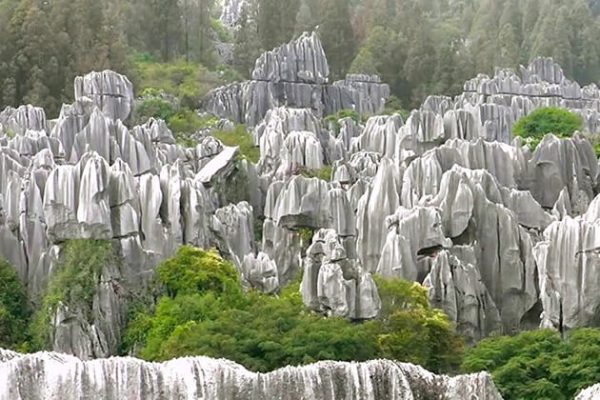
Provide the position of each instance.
(59, 376)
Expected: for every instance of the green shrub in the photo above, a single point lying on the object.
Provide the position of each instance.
(594, 140)
(243, 139)
(205, 312)
(154, 107)
(188, 82)
(193, 271)
(14, 308)
(188, 121)
(9, 133)
(414, 332)
(539, 364)
(533, 127)
(73, 283)
(306, 234)
(228, 74)
(223, 33)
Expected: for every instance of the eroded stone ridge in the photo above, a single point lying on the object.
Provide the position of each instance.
(59, 376)
(296, 75)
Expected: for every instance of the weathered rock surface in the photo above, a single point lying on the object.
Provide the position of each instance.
(300, 61)
(296, 75)
(591, 393)
(455, 286)
(65, 377)
(334, 283)
(87, 175)
(111, 92)
(569, 275)
(503, 238)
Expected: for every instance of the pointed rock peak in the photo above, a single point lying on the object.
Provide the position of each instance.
(302, 60)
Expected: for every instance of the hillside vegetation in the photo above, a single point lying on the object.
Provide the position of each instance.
(419, 47)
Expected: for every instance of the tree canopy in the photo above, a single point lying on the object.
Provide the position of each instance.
(539, 364)
(203, 311)
(14, 309)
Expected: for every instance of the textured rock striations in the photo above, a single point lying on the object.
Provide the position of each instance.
(295, 75)
(503, 238)
(67, 378)
(86, 175)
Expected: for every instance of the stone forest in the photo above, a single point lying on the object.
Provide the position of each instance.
(295, 232)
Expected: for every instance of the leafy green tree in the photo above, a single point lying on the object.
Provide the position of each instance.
(542, 121)
(539, 364)
(305, 21)
(275, 21)
(203, 311)
(337, 35)
(14, 308)
(246, 48)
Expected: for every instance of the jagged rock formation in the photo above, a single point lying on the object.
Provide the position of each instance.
(110, 92)
(334, 283)
(568, 263)
(86, 175)
(504, 238)
(295, 75)
(60, 376)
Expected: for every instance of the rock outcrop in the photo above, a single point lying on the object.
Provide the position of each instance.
(568, 266)
(60, 376)
(504, 238)
(334, 283)
(86, 175)
(296, 75)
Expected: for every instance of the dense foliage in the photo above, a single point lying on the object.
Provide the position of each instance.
(45, 44)
(14, 310)
(73, 283)
(172, 92)
(535, 126)
(205, 312)
(243, 139)
(419, 47)
(186, 81)
(539, 364)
